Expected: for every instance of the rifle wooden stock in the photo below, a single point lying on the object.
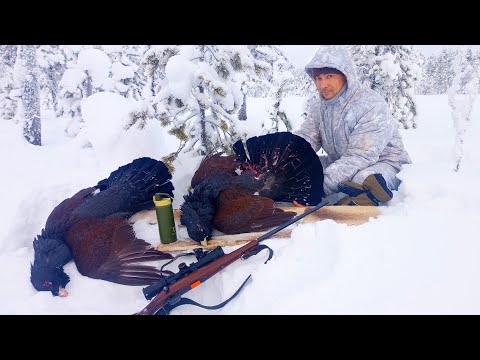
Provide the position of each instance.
(194, 279)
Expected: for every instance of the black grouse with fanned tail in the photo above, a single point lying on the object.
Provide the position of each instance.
(92, 228)
(237, 193)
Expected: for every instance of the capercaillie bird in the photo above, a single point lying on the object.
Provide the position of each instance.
(92, 228)
(237, 193)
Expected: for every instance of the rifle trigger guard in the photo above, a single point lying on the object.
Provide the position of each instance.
(256, 250)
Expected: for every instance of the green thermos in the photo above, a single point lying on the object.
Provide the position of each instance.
(165, 219)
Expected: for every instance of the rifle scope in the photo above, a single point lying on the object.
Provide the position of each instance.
(152, 290)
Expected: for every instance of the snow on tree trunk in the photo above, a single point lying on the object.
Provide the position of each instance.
(242, 114)
(461, 97)
(278, 117)
(9, 92)
(87, 85)
(30, 95)
(204, 135)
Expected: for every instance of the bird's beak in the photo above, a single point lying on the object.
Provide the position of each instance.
(204, 242)
(296, 204)
(62, 292)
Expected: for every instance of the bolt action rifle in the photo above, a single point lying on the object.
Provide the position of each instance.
(166, 294)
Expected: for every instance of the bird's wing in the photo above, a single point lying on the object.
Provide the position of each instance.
(59, 218)
(213, 164)
(106, 248)
(238, 211)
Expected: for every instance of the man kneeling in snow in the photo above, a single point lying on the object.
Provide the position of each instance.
(354, 126)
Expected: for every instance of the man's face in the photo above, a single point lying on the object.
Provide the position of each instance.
(328, 85)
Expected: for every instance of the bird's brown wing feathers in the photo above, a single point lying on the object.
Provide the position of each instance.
(108, 249)
(238, 211)
(61, 214)
(215, 164)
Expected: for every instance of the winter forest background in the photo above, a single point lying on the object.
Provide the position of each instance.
(72, 114)
(199, 93)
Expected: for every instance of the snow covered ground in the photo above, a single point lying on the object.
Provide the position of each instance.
(419, 257)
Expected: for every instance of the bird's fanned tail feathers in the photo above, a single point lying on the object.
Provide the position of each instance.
(289, 166)
(146, 176)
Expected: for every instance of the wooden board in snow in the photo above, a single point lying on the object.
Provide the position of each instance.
(350, 215)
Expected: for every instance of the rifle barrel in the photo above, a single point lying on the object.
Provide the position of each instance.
(290, 222)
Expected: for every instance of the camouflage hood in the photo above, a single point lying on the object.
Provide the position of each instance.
(334, 56)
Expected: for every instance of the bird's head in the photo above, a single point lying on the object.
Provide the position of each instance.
(53, 279)
(46, 272)
(198, 224)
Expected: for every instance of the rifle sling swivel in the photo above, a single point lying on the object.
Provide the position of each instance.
(256, 250)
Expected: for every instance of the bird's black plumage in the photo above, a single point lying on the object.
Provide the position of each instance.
(274, 167)
(91, 228)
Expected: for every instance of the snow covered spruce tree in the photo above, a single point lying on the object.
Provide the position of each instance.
(152, 66)
(444, 70)
(428, 83)
(280, 81)
(52, 63)
(256, 83)
(26, 70)
(9, 90)
(87, 73)
(199, 95)
(154, 61)
(127, 75)
(392, 71)
(461, 97)
(304, 87)
(136, 74)
(437, 73)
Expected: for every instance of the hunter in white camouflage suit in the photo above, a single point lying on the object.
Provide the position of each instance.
(354, 126)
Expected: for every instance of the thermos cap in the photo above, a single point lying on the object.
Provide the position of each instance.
(161, 199)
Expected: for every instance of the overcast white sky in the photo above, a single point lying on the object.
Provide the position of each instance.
(300, 55)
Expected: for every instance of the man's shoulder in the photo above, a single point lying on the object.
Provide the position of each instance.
(314, 104)
(366, 94)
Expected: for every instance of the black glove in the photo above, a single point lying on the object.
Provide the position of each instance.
(372, 192)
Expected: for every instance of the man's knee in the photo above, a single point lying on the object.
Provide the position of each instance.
(361, 176)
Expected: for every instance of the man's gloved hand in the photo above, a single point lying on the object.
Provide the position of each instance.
(373, 191)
